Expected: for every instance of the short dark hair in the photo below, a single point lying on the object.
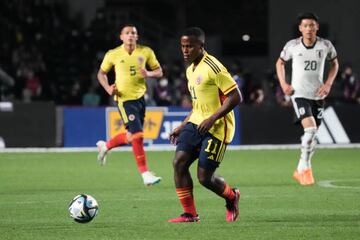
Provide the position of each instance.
(307, 15)
(196, 32)
(126, 25)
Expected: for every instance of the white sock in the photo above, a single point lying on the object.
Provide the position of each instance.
(312, 147)
(307, 148)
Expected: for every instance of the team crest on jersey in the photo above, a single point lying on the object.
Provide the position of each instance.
(131, 117)
(198, 80)
(140, 59)
(122, 61)
(319, 53)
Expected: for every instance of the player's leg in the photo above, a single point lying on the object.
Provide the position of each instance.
(305, 113)
(184, 187)
(304, 170)
(137, 143)
(135, 111)
(103, 147)
(118, 140)
(211, 154)
(186, 154)
(308, 143)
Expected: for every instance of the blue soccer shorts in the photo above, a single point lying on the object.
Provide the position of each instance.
(208, 149)
(132, 113)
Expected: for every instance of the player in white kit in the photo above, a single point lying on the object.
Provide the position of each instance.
(308, 88)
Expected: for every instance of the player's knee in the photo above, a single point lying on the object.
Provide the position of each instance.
(204, 179)
(179, 164)
(129, 137)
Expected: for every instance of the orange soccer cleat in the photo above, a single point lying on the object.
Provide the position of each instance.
(305, 178)
(308, 177)
(185, 217)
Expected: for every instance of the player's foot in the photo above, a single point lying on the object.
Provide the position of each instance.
(298, 176)
(101, 158)
(150, 179)
(308, 177)
(185, 217)
(232, 207)
(305, 177)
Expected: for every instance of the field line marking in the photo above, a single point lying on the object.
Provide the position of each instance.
(330, 183)
(168, 147)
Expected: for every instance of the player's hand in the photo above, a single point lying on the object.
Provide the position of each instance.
(287, 89)
(112, 90)
(173, 136)
(144, 73)
(205, 125)
(324, 90)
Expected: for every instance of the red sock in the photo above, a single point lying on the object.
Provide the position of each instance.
(187, 200)
(116, 141)
(139, 152)
(228, 193)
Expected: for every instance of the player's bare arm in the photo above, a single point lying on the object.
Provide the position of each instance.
(175, 133)
(232, 100)
(280, 71)
(157, 73)
(325, 89)
(103, 80)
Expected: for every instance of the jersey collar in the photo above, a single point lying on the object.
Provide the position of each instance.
(201, 60)
(309, 47)
(122, 47)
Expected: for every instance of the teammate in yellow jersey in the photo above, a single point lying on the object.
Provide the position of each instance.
(207, 130)
(132, 64)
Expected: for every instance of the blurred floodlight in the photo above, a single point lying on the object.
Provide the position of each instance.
(246, 37)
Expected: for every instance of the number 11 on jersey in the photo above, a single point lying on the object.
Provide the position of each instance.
(192, 92)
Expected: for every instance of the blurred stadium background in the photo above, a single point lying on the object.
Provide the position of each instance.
(50, 52)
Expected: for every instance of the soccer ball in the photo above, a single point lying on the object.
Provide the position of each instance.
(83, 208)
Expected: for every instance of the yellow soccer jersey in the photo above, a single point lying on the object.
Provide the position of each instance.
(208, 84)
(128, 79)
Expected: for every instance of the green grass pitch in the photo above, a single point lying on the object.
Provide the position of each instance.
(35, 189)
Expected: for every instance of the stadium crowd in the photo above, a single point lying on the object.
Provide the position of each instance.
(50, 56)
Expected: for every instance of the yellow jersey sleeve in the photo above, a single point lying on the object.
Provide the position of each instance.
(152, 62)
(107, 63)
(225, 82)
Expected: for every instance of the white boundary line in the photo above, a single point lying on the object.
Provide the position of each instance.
(330, 184)
(168, 147)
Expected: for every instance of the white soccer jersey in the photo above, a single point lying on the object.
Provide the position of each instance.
(307, 65)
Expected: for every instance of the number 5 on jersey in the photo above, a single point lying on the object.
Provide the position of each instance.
(132, 71)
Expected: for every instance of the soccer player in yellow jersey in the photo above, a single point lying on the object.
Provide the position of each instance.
(207, 130)
(132, 64)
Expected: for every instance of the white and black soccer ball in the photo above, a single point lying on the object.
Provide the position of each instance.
(83, 208)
